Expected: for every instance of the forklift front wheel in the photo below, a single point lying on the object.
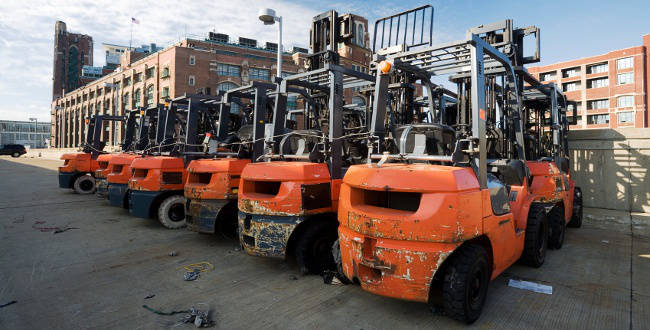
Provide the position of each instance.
(171, 212)
(557, 227)
(576, 217)
(84, 185)
(336, 253)
(314, 248)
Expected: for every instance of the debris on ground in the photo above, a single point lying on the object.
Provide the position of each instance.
(64, 230)
(200, 318)
(191, 276)
(605, 241)
(294, 277)
(531, 286)
(202, 266)
(331, 277)
(164, 313)
(173, 253)
(150, 296)
(9, 303)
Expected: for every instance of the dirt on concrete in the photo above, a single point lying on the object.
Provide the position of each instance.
(101, 274)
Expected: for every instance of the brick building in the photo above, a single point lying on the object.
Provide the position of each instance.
(611, 90)
(71, 52)
(190, 66)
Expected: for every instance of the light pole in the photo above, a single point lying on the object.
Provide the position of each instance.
(267, 15)
(36, 130)
(116, 87)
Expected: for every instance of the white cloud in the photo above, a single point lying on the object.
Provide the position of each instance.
(27, 36)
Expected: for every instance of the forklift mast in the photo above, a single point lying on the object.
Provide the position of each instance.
(94, 144)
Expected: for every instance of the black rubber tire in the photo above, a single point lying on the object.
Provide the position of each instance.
(171, 212)
(576, 217)
(536, 240)
(227, 222)
(336, 253)
(465, 284)
(15, 155)
(557, 227)
(84, 185)
(314, 248)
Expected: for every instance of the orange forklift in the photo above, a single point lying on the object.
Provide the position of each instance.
(287, 203)
(545, 114)
(150, 133)
(423, 221)
(103, 160)
(156, 186)
(78, 170)
(213, 181)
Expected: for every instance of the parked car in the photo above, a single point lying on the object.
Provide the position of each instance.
(15, 150)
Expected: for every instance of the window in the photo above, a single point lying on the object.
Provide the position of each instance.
(127, 81)
(624, 63)
(625, 78)
(598, 119)
(150, 96)
(597, 83)
(625, 101)
(258, 74)
(572, 86)
(571, 72)
(358, 101)
(125, 100)
(226, 86)
(136, 98)
(286, 74)
(227, 70)
(192, 60)
(191, 81)
(598, 68)
(165, 72)
(626, 117)
(598, 104)
(138, 77)
(150, 72)
(164, 92)
(360, 35)
(546, 76)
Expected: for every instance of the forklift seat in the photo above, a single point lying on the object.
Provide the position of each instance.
(429, 139)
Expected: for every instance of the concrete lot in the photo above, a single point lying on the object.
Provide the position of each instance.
(99, 274)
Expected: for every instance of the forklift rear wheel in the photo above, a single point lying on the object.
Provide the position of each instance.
(465, 284)
(171, 212)
(576, 217)
(536, 237)
(557, 227)
(84, 185)
(336, 253)
(314, 248)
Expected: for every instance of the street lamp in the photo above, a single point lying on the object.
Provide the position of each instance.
(116, 87)
(267, 15)
(36, 130)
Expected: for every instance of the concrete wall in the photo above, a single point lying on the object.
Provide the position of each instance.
(611, 166)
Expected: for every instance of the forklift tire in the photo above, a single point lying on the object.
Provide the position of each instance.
(84, 185)
(536, 237)
(466, 283)
(171, 212)
(314, 248)
(336, 253)
(576, 217)
(557, 228)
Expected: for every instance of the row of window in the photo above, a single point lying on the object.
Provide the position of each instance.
(621, 102)
(621, 78)
(623, 118)
(621, 63)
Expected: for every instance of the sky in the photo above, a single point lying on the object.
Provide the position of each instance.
(569, 30)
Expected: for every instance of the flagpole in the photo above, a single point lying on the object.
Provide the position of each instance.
(131, 39)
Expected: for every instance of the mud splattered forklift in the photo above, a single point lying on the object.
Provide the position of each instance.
(213, 181)
(103, 160)
(78, 170)
(156, 186)
(287, 204)
(150, 133)
(545, 109)
(435, 219)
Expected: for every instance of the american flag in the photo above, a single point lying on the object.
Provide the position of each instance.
(133, 20)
